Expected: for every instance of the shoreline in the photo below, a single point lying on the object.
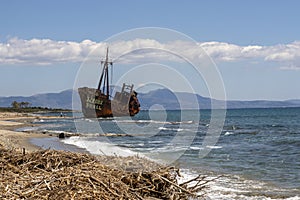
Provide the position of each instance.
(31, 140)
(34, 141)
(30, 171)
(17, 140)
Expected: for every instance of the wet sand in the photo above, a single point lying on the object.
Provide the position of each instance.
(11, 139)
(31, 141)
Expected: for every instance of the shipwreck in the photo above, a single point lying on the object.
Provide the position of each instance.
(98, 102)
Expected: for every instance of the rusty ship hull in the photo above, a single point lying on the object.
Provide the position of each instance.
(97, 102)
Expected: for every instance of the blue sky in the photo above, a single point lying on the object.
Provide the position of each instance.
(255, 44)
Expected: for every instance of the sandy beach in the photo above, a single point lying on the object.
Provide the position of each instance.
(28, 171)
(11, 139)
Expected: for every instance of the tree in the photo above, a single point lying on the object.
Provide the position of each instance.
(27, 104)
(15, 105)
(24, 104)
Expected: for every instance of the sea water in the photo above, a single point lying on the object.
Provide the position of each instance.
(257, 153)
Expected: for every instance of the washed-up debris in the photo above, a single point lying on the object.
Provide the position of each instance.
(52, 174)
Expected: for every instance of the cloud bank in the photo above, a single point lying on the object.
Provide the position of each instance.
(46, 51)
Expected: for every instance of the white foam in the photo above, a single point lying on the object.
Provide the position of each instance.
(227, 187)
(58, 132)
(196, 148)
(88, 120)
(229, 133)
(188, 122)
(142, 121)
(154, 121)
(173, 129)
(99, 148)
(214, 147)
(28, 129)
(233, 187)
(156, 142)
(38, 120)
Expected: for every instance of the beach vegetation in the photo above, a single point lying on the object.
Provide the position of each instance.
(25, 107)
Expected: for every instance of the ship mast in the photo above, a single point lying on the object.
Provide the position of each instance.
(104, 75)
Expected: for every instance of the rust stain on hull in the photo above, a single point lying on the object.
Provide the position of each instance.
(97, 103)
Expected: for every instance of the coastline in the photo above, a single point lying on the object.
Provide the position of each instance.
(31, 141)
(30, 171)
(11, 139)
(41, 142)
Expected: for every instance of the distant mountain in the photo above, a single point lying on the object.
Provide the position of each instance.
(51, 100)
(173, 100)
(293, 101)
(169, 100)
(154, 99)
(261, 104)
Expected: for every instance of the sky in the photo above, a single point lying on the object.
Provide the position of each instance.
(254, 45)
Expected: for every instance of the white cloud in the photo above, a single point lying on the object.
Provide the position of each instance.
(43, 51)
(221, 51)
(289, 52)
(46, 51)
(290, 67)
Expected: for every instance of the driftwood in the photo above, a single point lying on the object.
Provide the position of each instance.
(51, 174)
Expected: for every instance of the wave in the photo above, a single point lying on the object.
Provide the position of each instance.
(46, 121)
(38, 121)
(214, 147)
(171, 129)
(228, 133)
(86, 135)
(99, 148)
(27, 129)
(246, 131)
(154, 122)
(228, 186)
(196, 148)
(103, 135)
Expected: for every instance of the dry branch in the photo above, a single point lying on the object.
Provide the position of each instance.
(50, 174)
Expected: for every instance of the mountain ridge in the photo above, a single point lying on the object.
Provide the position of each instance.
(165, 98)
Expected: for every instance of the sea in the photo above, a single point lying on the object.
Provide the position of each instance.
(255, 154)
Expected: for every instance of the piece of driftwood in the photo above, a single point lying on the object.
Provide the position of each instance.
(50, 174)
